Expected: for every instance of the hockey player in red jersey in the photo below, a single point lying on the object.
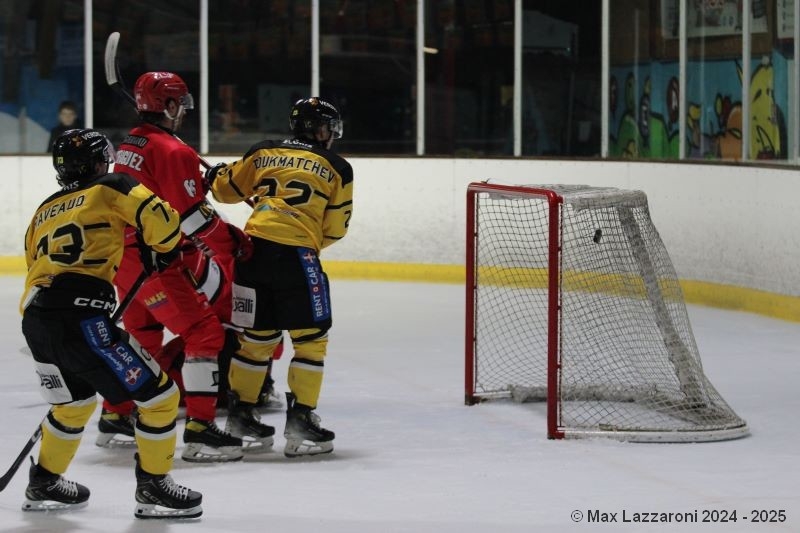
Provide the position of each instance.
(156, 158)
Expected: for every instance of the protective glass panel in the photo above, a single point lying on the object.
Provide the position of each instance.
(368, 70)
(259, 65)
(41, 73)
(469, 76)
(643, 81)
(154, 36)
(561, 78)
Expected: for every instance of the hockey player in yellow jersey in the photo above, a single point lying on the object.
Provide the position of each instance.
(72, 248)
(303, 195)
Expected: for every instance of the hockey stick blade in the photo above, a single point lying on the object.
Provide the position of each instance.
(114, 79)
(112, 68)
(111, 58)
(6, 479)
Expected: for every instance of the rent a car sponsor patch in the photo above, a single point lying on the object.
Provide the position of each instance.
(118, 355)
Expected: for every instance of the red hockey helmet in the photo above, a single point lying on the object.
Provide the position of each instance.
(154, 89)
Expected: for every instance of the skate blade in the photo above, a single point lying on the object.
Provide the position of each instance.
(151, 511)
(51, 505)
(304, 448)
(115, 440)
(254, 445)
(195, 452)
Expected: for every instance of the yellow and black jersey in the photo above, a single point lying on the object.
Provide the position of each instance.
(303, 193)
(81, 230)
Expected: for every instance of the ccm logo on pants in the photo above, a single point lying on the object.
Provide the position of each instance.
(103, 305)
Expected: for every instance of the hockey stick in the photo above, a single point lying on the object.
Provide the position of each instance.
(114, 80)
(137, 284)
(113, 76)
(6, 478)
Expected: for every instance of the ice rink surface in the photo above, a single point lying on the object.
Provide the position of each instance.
(411, 457)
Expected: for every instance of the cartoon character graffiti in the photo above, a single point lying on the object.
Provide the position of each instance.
(766, 137)
(767, 129)
(713, 128)
(628, 139)
(727, 143)
(641, 131)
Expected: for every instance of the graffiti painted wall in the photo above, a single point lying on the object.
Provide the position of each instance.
(644, 109)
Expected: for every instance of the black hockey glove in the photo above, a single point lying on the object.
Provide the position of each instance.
(211, 175)
(153, 261)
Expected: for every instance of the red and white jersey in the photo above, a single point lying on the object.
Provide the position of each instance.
(163, 164)
(171, 169)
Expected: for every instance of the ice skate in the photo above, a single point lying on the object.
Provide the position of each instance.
(207, 443)
(115, 431)
(245, 422)
(47, 491)
(159, 497)
(304, 436)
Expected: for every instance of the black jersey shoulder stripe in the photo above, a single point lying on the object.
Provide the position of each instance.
(235, 188)
(99, 225)
(321, 194)
(144, 204)
(263, 145)
(343, 168)
(90, 262)
(339, 206)
(119, 181)
(63, 192)
(339, 164)
(331, 237)
(170, 236)
(55, 196)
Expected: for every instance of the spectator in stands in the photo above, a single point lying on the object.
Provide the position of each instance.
(67, 120)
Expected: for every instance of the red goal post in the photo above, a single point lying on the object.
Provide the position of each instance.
(553, 202)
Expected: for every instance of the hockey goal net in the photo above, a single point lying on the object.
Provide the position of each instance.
(573, 299)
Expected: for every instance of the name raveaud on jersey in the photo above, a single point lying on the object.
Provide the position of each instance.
(57, 209)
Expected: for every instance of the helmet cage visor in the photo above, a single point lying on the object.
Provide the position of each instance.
(109, 154)
(337, 128)
(186, 101)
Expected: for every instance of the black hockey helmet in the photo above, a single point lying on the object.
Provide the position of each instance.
(77, 152)
(308, 114)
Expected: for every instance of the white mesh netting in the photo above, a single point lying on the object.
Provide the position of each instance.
(630, 367)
